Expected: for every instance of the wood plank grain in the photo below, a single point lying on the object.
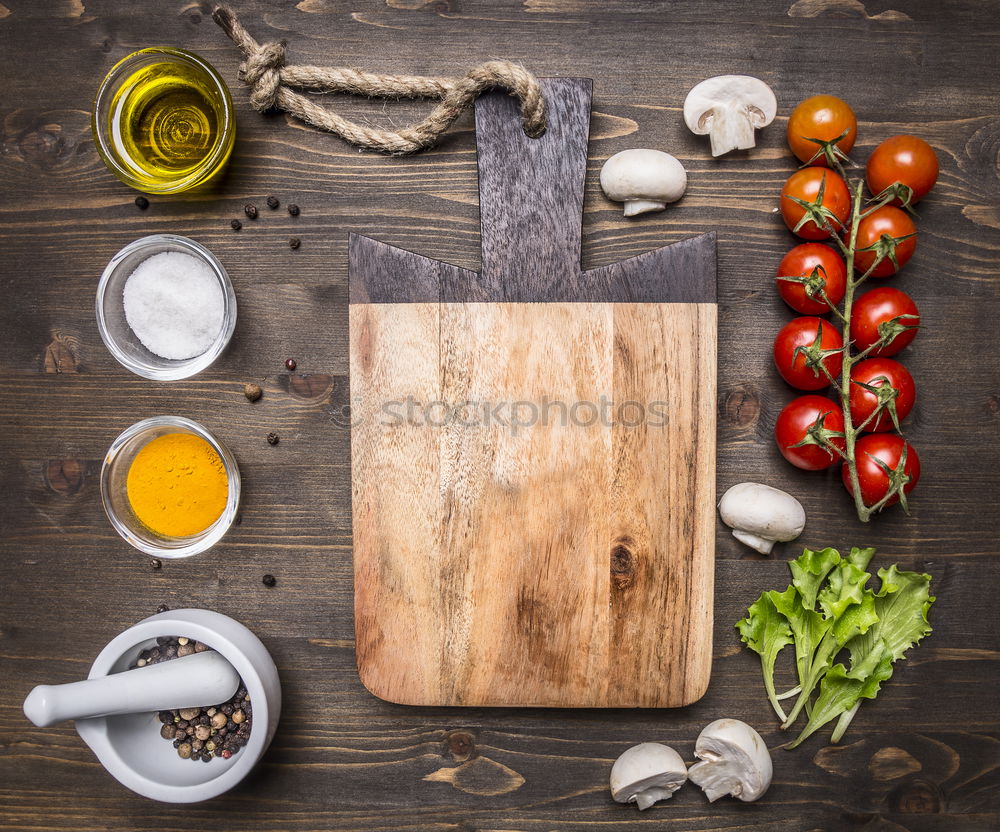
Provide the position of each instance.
(523, 504)
(397, 530)
(662, 501)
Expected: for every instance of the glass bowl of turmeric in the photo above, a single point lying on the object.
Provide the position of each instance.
(169, 487)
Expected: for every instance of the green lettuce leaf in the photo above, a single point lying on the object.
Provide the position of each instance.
(848, 607)
(808, 628)
(766, 632)
(809, 570)
(900, 606)
(828, 608)
(841, 690)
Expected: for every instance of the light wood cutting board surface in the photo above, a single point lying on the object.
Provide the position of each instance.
(533, 456)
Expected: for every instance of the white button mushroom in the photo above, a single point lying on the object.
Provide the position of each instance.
(646, 773)
(728, 108)
(760, 515)
(735, 761)
(645, 180)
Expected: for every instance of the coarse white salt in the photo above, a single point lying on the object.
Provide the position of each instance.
(174, 305)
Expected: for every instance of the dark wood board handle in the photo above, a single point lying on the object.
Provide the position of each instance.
(531, 193)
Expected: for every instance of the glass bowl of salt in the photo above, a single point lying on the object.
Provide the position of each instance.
(165, 307)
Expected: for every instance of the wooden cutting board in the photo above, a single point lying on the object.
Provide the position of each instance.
(533, 450)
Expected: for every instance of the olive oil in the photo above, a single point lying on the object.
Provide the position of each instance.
(169, 122)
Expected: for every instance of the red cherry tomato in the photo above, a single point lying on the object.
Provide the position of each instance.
(874, 482)
(802, 261)
(823, 117)
(883, 310)
(802, 334)
(804, 184)
(885, 221)
(877, 372)
(904, 159)
(793, 426)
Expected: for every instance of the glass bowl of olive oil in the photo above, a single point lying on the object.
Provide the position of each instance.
(163, 121)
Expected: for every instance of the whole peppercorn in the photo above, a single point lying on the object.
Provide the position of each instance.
(141, 203)
(250, 211)
(269, 580)
(168, 732)
(236, 225)
(185, 650)
(272, 439)
(219, 720)
(272, 202)
(294, 243)
(155, 563)
(162, 608)
(253, 392)
(184, 750)
(190, 713)
(293, 209)
(226, 753)
(238, 717)
(290, 365)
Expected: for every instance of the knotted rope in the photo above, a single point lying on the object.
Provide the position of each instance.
(271, 86)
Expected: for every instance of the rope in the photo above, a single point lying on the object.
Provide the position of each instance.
(271, 87)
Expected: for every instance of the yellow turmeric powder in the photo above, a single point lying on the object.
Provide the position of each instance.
(177, 485)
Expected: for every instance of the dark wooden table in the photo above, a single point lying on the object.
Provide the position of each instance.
(924, 756)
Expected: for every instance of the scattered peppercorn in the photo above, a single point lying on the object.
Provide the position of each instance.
(272, 202)
(250, 211)
(162, 608)
(141, 203)
(236, 225)
(290, 365)
(269, 580)
(253, 392)
(294, 243)
(272, 439)
(156, 563)
(293, 209)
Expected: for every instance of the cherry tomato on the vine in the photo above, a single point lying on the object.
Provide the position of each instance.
(793, 425)
(887, 221)
(874, 482)
(884, 310)
(879, 372)
(908, 160)
(793, 345)
(803, 261)
(805, 184)
(826, 118)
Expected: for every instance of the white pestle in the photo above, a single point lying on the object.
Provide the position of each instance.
(188, 682)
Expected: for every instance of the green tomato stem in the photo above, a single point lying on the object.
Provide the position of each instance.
(850, 432)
